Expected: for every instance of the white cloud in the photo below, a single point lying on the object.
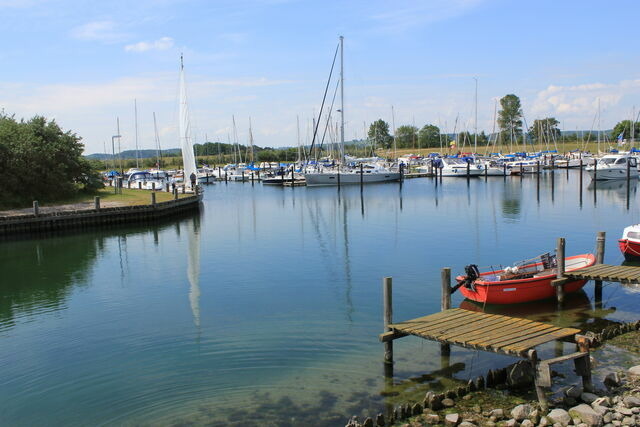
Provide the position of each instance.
(162, 43)
(104, 31)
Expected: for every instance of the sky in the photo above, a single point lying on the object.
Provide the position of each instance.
(85, 63)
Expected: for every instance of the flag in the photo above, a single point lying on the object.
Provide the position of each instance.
(620, 140)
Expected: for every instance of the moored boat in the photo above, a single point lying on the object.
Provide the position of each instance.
(529, 282)
(630, 243)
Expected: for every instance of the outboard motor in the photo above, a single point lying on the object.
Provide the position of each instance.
(472, 273)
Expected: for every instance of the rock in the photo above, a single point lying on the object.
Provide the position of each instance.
(612, 380)
(600, 409)
(602, 401)
(559, 416)
(448, 403)
(466, 424)
(617, 416)
(451, 394)
(497, 413)
(586, 414)
(628, 421)
(368, 422)
(631, 402)
(544, 421)
(416, 409)
(434, 401)
(476, 409)
(380, 420)
(521, 412)
(573, 391)
(581, 425)
(635, 371)
(467, 397)
(636, 410)
(479, 383)
(510, 423)
(451, 419)
(616, 422)
(588, 398)
(623, 411)
(534, 416)
(570, 401)
(607, 418)
(432, 419)
(520, 374)
(527, 423)
(576, 421)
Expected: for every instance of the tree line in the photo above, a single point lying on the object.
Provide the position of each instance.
(41, 161)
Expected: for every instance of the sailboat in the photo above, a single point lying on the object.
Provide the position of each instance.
(366, 173)
(188, 158)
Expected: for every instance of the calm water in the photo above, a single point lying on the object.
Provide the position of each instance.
(265, 307)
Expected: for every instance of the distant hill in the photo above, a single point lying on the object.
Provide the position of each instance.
(131, 154)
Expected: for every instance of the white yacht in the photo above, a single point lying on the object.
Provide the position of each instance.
(452, 166)
(370, 173)
(614, 166)
(148, 180)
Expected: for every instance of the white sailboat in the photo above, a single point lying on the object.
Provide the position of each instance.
(370, 172)
(188, 158)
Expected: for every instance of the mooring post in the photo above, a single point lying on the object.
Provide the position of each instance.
(153, 198)
(292, 177)
(560, 269)
(486, 171)
(338, 178)
(583, 364)
(219, 173)
(129, 184)
(175, 193)
(468, 169)
(387, 285)
(139, 185)
(542, 397)
(36, 208)
(445, 304)
(600, 243)
(252, 177)
(504, 170)
(595, 170)
(362, 177)
(153, 186)
(96, 203)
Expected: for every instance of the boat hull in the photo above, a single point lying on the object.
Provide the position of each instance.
(331, 178)
(521, 290)
(603, 174)
(630, 249)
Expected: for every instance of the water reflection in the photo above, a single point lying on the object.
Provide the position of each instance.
(193, 267)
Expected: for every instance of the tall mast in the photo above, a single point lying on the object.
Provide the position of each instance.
(135, 113)
(598, 124)
(250, 140)
(393, 123)
(298, 133)
(119, 145)
(158, 149)
(475, 137)
(342, 98)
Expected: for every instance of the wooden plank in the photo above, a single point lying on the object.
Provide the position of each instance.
(450, 325)
(468, 328)
(564, 358)
(521, 346)
(519, 335)
(500, 332)
(432, 317)
(425, 326)
(504, 326)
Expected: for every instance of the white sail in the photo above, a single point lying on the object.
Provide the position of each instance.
(185, 131)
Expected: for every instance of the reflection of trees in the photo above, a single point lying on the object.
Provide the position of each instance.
(511, 203)
(40, 273)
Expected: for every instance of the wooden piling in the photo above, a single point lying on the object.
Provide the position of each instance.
(175, 193)
(486, 171)
(226, 178)
(139, 185)
(560, 260)
(166, 187)
(36, 208)
(583, 364)
(600, 245)
(96, 203)
(242, 175)
(153, 186)
(542, 397)
(153, 198)
(252, 177)
(504, 170)
(445, 276)
(468, 170)
(595, 171)
(292, 177)
(362, 177)
(387, 285)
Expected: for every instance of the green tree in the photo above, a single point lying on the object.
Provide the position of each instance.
(40, 161)
(379, 134)
(406, 136)
(624, 128)
(429, 136)
(545, 130)
(510, 117)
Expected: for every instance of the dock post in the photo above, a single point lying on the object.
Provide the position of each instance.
(175, 193)
(226, 178)
(128, 184)
(583, 364)
(362, 177)
(504, 170)
(139, 185)
(36, 208)
(600, 241)
(219, 173)
(292, 177)
(560, 268)
(242, 175)
(153, 198)
(387, 285)
(338, 178)
(468, 170)
(252, 177)
(445, 304)
(595, 171)
(542, 397)
(96, 203)
(153, 186)
(486, 171)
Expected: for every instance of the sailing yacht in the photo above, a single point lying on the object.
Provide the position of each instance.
(367, 173)
(188, 158)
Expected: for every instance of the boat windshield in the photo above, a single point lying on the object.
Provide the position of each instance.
(456, 162)
(633, 235)
(608, 160)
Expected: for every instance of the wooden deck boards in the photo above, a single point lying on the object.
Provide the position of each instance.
(490, 332)
(609, 273)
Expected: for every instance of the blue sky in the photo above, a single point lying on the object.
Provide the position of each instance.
(83, 63)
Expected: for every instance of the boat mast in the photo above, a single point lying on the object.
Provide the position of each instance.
(598, 125)
(158, 149)
(250, 140)
(119, 145)
(342, 99)
(135, 113)
(475, 136)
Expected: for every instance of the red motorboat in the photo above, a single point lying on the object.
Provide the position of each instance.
(525, 283)
(630, 243)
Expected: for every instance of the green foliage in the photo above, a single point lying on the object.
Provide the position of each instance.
(406, 136)
(429, 136)
(379, 134)
(624, 127)
(510, 117)
(39, 161)
(545, 130)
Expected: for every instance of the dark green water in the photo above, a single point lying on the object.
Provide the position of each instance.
(265, 308)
